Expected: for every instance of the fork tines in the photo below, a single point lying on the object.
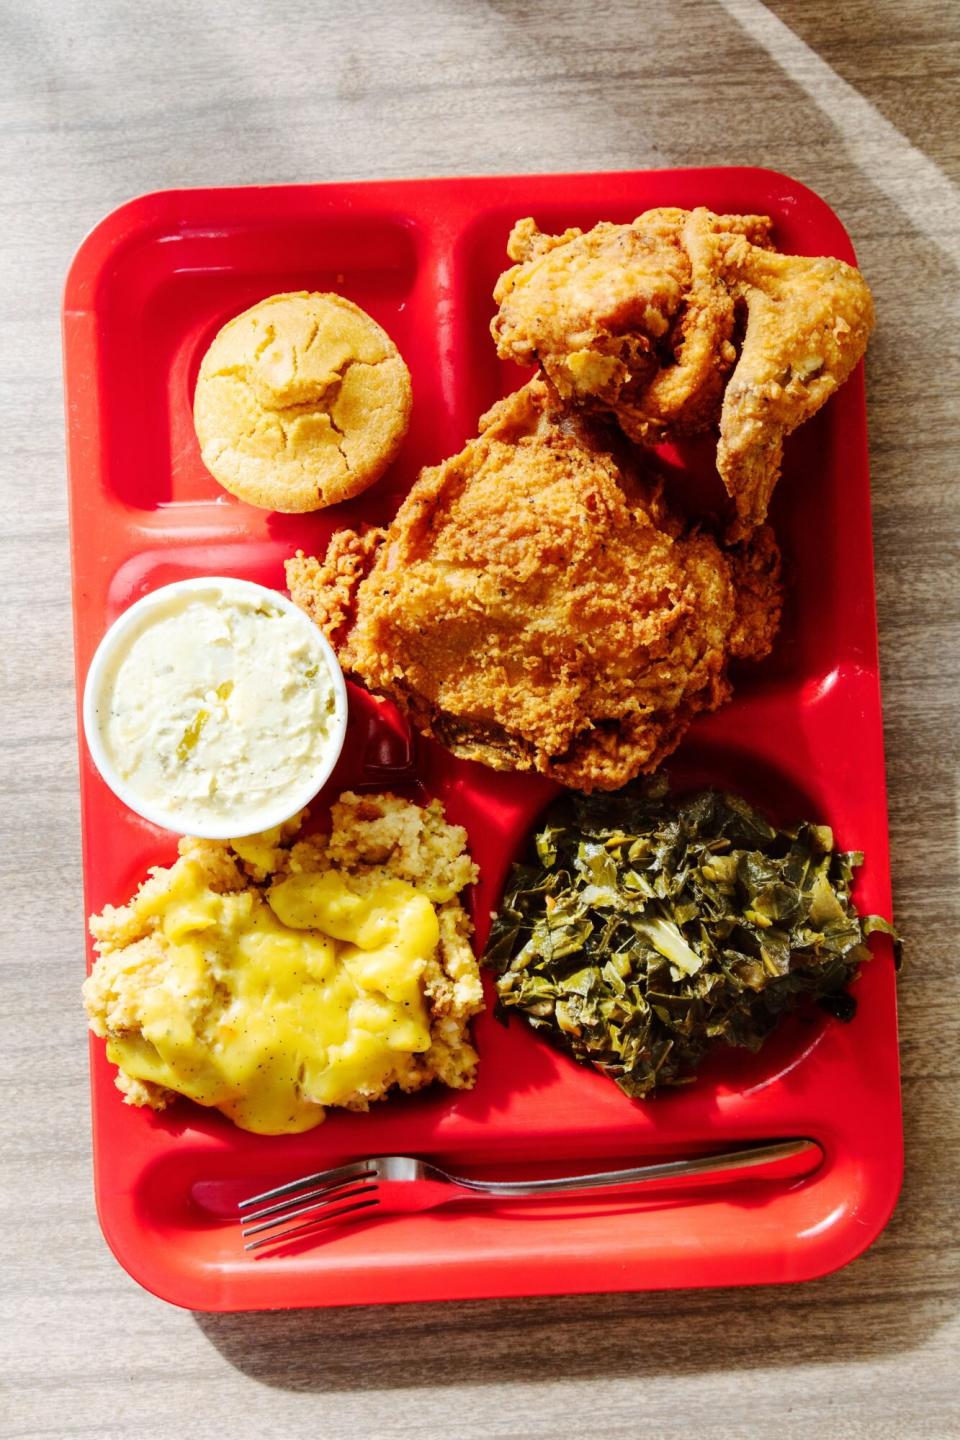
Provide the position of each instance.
(322, 1196)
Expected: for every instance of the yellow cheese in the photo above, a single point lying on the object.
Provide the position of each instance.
(270, 1009)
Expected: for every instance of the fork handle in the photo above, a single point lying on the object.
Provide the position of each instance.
(746, 1158)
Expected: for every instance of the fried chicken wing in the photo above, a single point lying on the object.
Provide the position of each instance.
(808, 322)
(641, 322)
(534, 605)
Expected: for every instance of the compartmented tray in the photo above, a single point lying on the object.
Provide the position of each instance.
(148, 290)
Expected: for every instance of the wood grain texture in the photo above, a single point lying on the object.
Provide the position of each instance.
(102, 99)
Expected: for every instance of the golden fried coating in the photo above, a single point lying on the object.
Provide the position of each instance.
(641, 322)
(626, 318)
(534, 606)
(808, 322)
(592, 308)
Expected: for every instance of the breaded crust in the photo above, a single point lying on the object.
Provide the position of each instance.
(682, 321)
(535, 607)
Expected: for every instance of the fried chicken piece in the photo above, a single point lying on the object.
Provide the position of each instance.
(626, 318)
(534, 606)
(640, 321)
(808, 322)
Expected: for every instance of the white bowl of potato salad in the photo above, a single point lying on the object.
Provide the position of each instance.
(215, 707)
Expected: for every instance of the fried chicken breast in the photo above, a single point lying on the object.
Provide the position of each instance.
(534, 606)
(642, 322)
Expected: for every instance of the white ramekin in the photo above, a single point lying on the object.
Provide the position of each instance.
(266, 817)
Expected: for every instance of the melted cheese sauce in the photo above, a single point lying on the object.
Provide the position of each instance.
(270, 1010)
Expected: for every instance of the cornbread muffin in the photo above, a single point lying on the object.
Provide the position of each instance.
(301, 402)
(272, 977)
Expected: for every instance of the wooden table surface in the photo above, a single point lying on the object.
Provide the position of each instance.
(102, 99)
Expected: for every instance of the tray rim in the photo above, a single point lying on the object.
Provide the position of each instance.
(129, 209)
(126, 222)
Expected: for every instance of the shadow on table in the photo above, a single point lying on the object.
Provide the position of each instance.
(888, 1301)
(861, 1314)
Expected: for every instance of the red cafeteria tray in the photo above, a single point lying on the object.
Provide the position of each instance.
(146, 293)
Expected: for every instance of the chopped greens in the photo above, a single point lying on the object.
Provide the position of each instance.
(648, 930)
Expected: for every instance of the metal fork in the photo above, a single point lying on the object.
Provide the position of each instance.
(399, 1184)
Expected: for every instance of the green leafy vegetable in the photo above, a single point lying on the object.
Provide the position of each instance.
(646, 930)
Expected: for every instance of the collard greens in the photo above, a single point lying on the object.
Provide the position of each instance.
(648, 930)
